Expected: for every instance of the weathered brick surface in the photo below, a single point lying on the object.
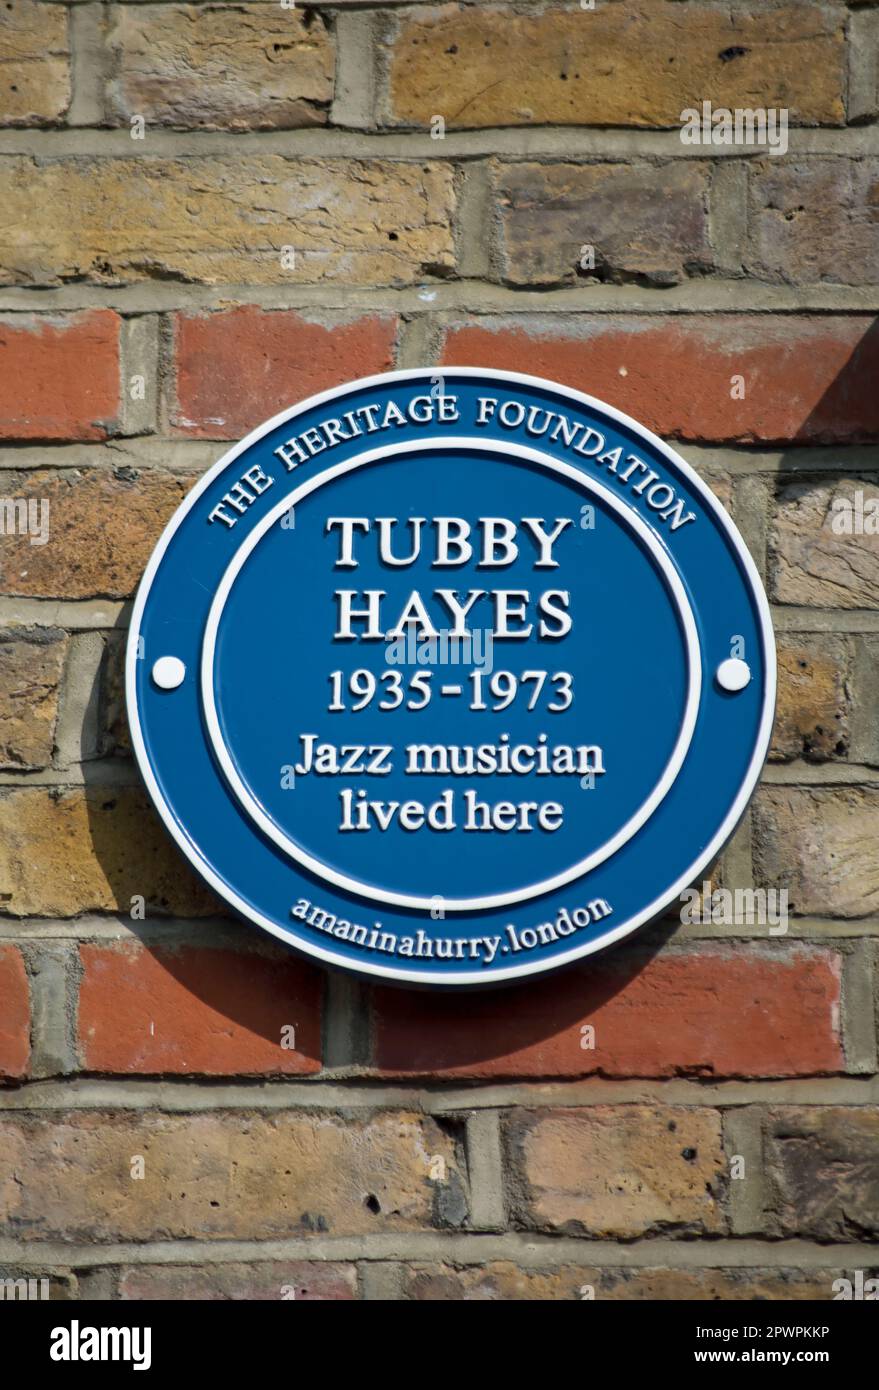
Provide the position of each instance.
(238, 368)
(224, 219)
(815, 219)
(31, 664)
(302, 1281)
(644, 222)
(722, 487)
(114, 736)
(823, 1166)
(103, 525)
(814, 706)
(505, 1282)
(14, 1014)
(226, 67)
(91, 850)
(819, 844)
(35, 89)
(715, 1012)
(634, 63)
(865, 734)
(621, 1171)
(804, 379)
(225, 1176)
(198, 1009)
(813, 561)
(59, 374)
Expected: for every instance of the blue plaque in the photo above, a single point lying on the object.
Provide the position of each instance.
(451, 679)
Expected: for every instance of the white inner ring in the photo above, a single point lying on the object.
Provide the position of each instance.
(494, 900)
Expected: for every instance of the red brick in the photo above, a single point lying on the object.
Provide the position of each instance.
(216, 1011)
(713, 1013)
(239, 367)
(14, 1014)
(59, 376)
(805, 379)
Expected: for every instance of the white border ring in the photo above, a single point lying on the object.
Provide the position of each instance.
(493, 900)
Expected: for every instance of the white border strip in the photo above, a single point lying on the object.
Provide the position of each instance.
(464, 977)
(494, 900)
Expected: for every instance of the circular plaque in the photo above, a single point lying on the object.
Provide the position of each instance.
(450, 678)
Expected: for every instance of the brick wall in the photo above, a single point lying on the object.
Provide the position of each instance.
(721, 1139)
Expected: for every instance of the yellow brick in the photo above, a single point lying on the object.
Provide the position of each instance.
(35, 73)
(91, 850)
(234, 1176)
(624, 64)
(221, 67)
(224, 219)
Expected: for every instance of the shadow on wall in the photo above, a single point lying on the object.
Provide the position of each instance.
(847, 411)
(524, 1030)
